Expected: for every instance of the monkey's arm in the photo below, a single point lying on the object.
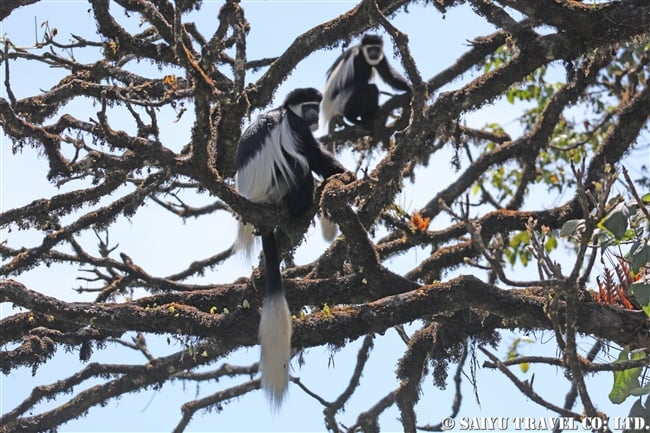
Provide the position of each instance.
(321, 161)
(391, 76)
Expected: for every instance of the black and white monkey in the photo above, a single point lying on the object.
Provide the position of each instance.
(275, 159)
(349, 91)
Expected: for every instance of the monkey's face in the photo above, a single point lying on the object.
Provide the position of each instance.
(373, 53)
(308, 111)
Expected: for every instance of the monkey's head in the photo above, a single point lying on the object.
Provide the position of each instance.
(305, 104)
(373, 48)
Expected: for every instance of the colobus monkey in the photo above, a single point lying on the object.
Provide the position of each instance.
(349, 91)
(275, 159)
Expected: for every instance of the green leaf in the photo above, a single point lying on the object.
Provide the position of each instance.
(512, 350)
(551, 244)
(641, 292)
(572, 227)
(639, 410)
(616, 220)
(521, 238)
(524, 259)
(646, 198)
(513, 353)
(639, 255)
(626, 382)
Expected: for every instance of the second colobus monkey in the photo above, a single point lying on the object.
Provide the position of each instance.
(349, 91)
(275, 159)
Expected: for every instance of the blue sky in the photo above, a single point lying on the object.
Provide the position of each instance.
(435, 42)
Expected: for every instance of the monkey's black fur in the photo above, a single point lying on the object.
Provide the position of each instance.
(275, 159)
(349, 91)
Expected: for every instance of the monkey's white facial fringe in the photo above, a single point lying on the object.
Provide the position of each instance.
(370, 60)
(275, 342)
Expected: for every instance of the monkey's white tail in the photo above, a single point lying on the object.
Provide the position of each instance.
(275, 342)
(329, 229)
(245, 242)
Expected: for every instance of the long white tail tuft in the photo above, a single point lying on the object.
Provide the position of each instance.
(329, 229)
(275, 341)
(245, 242)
